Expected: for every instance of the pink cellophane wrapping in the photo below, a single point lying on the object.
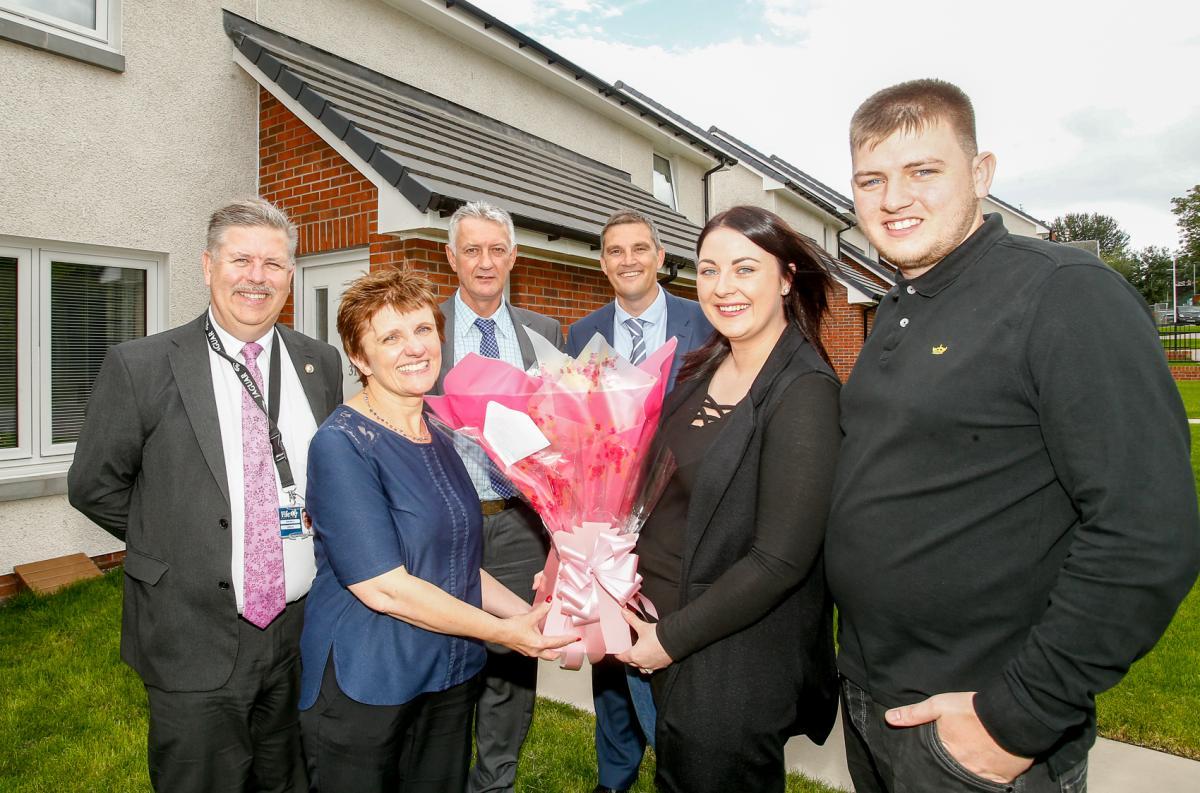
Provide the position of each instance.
(591, 484)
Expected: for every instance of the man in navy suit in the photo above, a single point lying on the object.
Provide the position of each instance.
(639, 321)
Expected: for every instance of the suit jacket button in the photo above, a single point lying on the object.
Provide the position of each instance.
(222, 585)
(224, 524)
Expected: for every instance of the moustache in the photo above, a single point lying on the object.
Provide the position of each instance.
(255, 289)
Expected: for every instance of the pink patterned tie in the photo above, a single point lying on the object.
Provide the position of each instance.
(263, 589)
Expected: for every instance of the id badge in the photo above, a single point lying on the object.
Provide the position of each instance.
(291, 523)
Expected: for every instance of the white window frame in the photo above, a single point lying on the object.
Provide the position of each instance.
(674, 204)
(106, 34)
(36, 456)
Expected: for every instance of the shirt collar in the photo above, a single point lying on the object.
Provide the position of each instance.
(233, 346)
(465, 316)
(653, 315)
(947, 271)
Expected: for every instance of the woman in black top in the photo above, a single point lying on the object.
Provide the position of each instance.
(742, 654)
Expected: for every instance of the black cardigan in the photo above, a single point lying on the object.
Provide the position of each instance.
(781, 664)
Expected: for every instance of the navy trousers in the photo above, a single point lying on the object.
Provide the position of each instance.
(619, 739)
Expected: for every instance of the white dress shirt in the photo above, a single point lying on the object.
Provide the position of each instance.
(297, 425)
(654, 326)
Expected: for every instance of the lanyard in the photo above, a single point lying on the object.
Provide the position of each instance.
(243, 374)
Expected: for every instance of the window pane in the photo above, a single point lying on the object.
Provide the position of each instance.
(664, 190)
(322, 295)
(92, 308)
(80, 12)
(8, 353)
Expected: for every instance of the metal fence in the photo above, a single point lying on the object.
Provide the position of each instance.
(1181, 343)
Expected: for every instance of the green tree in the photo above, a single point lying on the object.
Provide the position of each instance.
(1151, 273)
(1187, 213)
(1076, 226)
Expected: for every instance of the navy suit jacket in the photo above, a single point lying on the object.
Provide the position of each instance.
(685, 321)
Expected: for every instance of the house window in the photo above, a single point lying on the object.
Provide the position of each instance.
(664, 185)
(8, 352)
(61, 309)
(84, 17)
(62, 26)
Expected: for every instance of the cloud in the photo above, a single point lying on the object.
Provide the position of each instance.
(533, 16)
(789, 17)
(1081, 104)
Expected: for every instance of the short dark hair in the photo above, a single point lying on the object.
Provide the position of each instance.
(912, 107)
(623, 216)
(807, 299)
(401, 288)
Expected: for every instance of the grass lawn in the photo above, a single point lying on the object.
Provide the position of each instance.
(1190, 391)
(1156, 704)
(73, 717)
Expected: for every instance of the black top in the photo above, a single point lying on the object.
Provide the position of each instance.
(660, 546)
(1014, 511)
(792, 502)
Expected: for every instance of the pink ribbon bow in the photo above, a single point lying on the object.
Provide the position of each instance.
(592, 576)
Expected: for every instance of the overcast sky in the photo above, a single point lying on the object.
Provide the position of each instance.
(1089, 106)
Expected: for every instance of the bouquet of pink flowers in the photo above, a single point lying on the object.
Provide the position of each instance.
(573, 436)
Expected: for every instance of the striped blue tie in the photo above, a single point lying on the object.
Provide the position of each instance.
(488, 348)
(637, 352)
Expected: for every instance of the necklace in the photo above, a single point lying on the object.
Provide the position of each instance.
(422, 438)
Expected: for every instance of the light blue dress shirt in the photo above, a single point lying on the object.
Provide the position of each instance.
(466, 340)
(654, 326)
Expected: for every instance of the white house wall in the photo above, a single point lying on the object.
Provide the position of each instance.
(1012, 221)
(138, 160)
(739, 185)
(134, 160)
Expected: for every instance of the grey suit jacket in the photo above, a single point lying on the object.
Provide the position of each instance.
(522, 319)
(150, 469)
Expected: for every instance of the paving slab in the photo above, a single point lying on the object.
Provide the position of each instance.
(1114, 767)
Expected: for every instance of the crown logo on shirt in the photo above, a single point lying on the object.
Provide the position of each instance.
(938, 350)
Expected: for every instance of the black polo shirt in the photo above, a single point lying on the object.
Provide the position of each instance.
(1014, 511)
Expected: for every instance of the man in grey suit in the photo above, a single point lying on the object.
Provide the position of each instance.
(639, 321)
(194, 453)
(482, 251)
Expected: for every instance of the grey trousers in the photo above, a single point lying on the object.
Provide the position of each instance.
(245, 735)
(884, 759)
(514, 550)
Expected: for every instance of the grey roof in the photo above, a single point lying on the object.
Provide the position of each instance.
(881, 268)
(440, 155)
(849, 276)
(833, 196)
(1019, 211)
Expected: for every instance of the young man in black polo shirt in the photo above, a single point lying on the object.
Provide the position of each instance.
(1014, 519)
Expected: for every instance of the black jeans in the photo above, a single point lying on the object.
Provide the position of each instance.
(421, 746)
(886, 759)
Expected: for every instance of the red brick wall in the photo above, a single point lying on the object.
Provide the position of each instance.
(843, 330)
(332, 203)
(1185, 372)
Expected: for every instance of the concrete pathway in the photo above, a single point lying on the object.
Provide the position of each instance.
(1113, 767)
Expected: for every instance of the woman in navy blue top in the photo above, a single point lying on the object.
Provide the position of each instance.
(399, 610)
